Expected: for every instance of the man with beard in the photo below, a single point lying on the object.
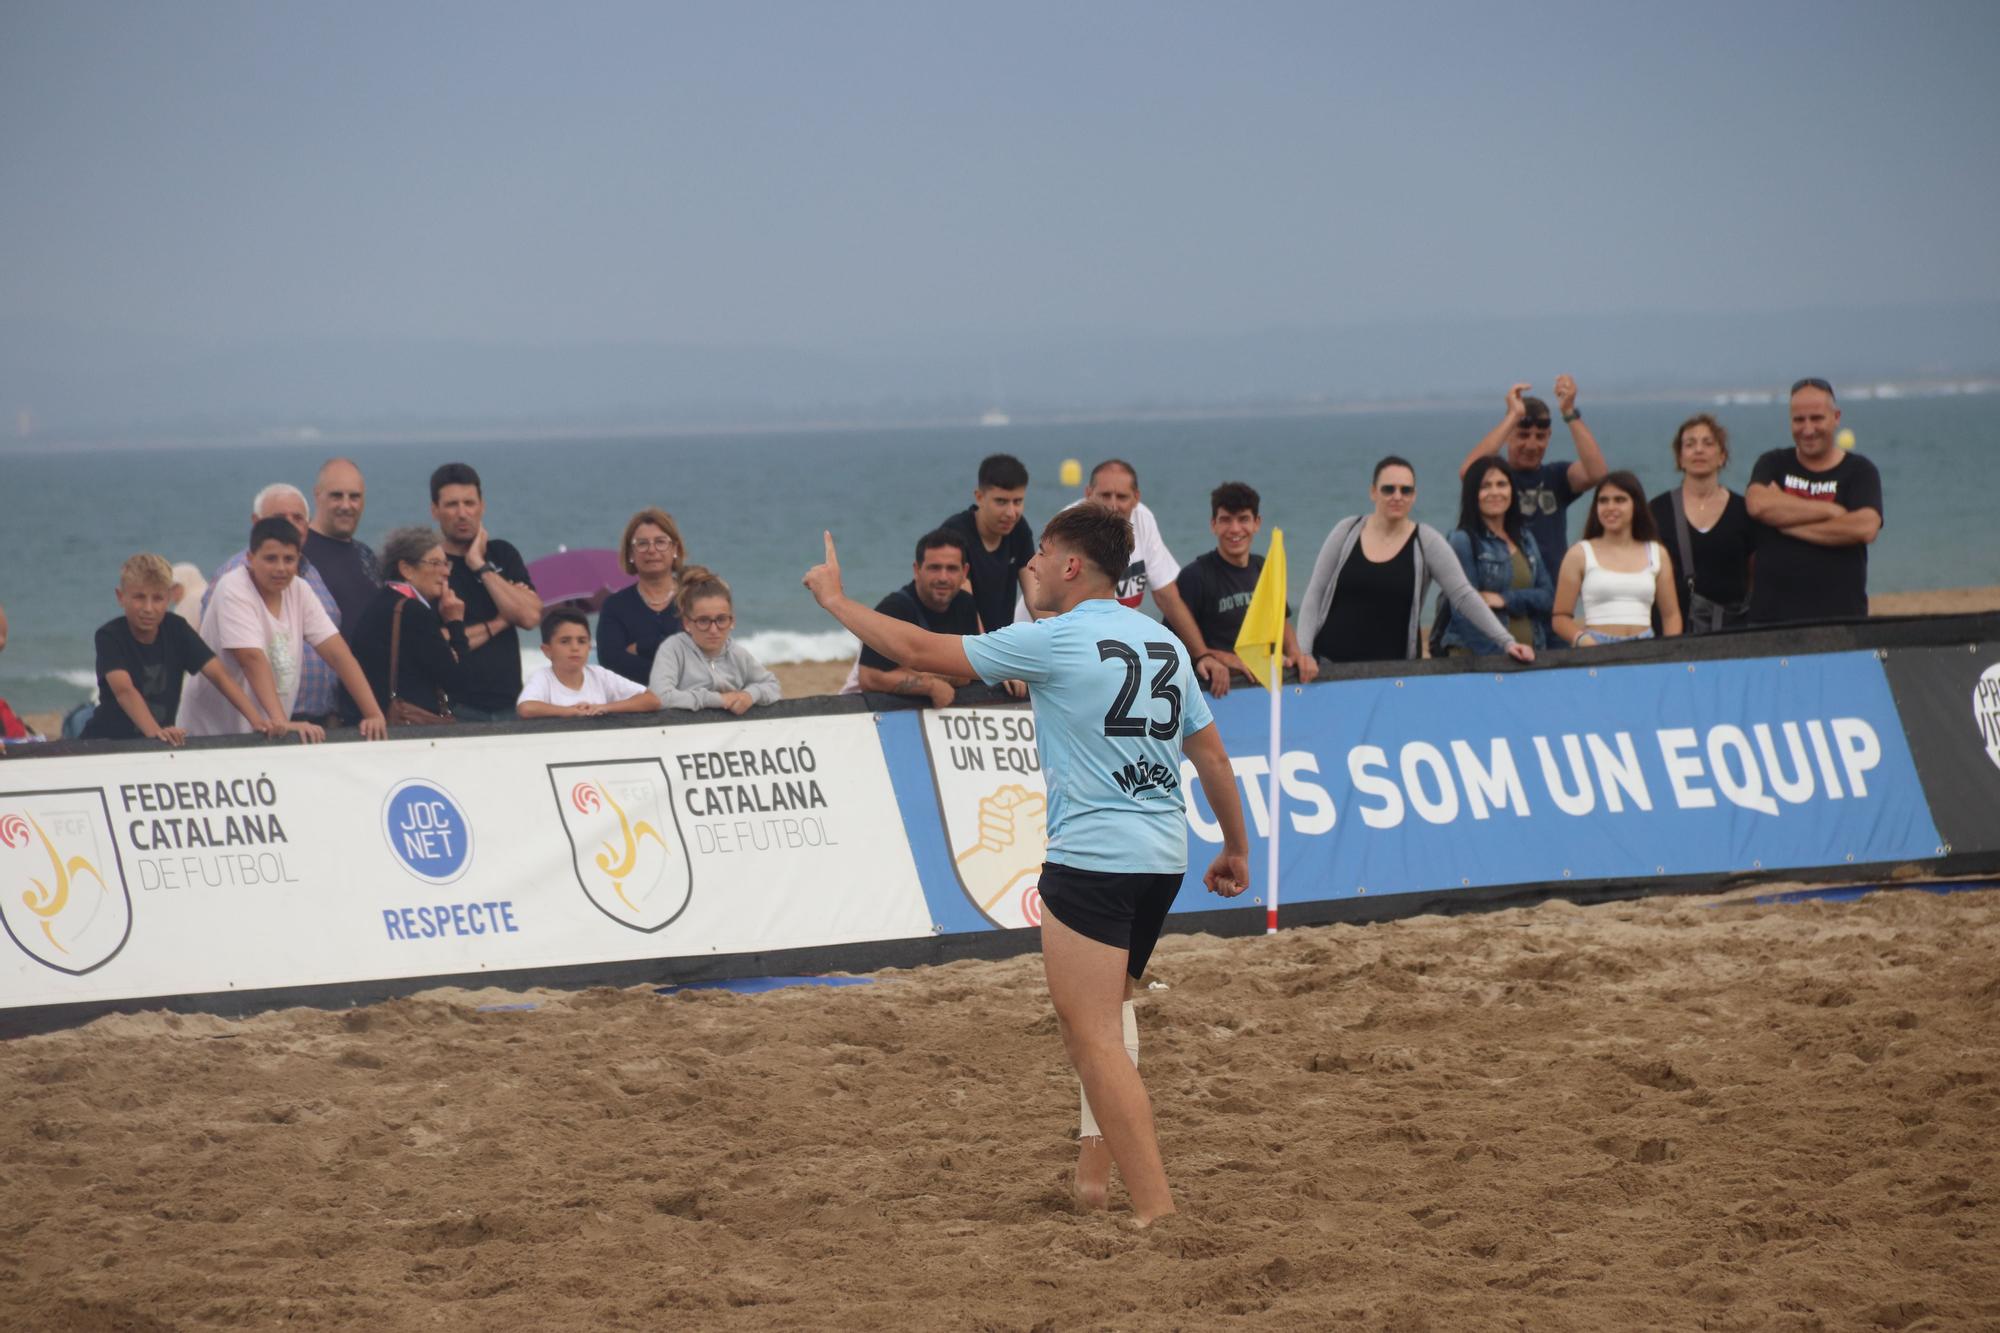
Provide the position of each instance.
(933, 599)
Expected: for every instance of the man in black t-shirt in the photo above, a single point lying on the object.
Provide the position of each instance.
(1820, 508)
(500, 599)
(998, 544)
(345, 562)
(933, 599)
(1217, 586)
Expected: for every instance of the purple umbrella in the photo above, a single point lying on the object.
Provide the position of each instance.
(584, 576)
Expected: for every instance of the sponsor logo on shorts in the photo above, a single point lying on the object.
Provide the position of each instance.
(625, 840)
(63, 898)
(427, 830)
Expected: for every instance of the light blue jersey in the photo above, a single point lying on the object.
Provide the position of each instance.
(1113, 696)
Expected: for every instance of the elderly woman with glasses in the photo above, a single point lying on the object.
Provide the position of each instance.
(635, 621)
(1365, 600)
(430, 647)
(702, 667)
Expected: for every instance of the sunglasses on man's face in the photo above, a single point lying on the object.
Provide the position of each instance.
(1388, 488)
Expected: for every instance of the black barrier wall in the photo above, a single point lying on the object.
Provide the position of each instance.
(1949, 700)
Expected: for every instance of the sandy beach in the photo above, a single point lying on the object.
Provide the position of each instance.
(1667, 1113)
(805, 679)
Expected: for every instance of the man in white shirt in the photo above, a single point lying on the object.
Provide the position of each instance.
(1114, 483)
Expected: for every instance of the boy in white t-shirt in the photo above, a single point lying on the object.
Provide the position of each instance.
(572, 685)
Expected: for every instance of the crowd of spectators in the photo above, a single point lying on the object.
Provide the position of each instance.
(306, 626)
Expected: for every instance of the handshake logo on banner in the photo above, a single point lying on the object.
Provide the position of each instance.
(63, 898)
(995, 808)
(625, 840)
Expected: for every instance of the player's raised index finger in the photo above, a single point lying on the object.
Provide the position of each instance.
(830, 558)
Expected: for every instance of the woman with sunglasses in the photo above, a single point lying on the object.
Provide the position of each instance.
(635, 621)
(1364, 602)
(1612, 580)
(702, 667)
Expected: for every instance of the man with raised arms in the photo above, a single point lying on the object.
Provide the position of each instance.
(1116, 703)
(1544, 490)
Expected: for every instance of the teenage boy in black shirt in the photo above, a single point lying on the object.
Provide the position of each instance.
(500, 599)
(998, 545)
(143, 656)
(1821, 507)
(1217, 587)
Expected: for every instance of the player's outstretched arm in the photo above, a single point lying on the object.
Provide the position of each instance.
(898, 640)
(1229, 873)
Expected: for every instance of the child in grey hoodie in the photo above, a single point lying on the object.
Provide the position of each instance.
(702, 667)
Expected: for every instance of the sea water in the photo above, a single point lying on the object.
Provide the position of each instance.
(752, 506)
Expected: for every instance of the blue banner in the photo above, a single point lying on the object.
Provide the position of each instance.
(1437, 783)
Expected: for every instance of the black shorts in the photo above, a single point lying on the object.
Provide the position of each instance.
(1125, 911)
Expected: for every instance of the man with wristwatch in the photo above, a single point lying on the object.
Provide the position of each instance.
(500, 598)
(1544, 490)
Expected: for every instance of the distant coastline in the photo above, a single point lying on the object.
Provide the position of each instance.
(335, 438)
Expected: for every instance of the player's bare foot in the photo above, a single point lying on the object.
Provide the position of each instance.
(1092, 1186)
(1141, 1223)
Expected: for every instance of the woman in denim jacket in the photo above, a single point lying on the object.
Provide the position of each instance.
(1500, 559)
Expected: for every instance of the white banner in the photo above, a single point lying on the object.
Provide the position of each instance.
(178, 872)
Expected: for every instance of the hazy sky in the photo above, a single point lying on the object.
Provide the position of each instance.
(829, 173)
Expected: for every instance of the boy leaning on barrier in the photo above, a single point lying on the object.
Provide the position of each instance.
(572, 685)
(142, 657)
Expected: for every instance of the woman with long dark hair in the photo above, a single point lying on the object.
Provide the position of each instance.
(1502, 560)
(1612, 580)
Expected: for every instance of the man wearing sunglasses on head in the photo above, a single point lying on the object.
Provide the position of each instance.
(1821, 507)
(1544, 490)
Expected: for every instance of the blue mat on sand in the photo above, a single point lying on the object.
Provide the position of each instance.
(1849, 893)
(758, 985)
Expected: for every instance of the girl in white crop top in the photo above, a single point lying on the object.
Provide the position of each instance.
(1612, 580)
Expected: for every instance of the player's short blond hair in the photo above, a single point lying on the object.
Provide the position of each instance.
(146, 570)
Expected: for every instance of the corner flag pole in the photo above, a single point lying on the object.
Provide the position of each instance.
(1261, 646)
(1277, 754)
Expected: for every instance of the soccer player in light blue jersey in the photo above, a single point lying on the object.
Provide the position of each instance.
(1116, 704)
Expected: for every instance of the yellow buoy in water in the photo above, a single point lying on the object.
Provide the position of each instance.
(1072, 472)
(1845, 439)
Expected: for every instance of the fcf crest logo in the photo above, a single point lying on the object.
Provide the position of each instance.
(625, 839)
(62, 885)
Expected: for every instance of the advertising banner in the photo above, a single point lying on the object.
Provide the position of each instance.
(1436, 783)
(1949, 699)
(182, 872)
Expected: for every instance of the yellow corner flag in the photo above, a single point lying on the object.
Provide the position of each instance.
(1261, 641)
